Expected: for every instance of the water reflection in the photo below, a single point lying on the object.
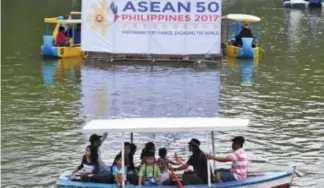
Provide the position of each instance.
(293, 17)
(60, 69)
(303, 27)
(139, 90)
(143, 90)
(246, 68)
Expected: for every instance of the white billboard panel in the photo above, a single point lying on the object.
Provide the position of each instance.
(152, 27)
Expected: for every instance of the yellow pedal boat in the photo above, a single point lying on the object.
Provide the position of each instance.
(250, 47)
(49, 49)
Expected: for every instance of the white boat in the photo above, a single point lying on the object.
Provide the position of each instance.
(302, 4)
(273, 179)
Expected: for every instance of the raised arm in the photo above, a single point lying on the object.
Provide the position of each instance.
(103, 138)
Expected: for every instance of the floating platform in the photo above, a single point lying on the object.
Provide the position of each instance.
(123, 58)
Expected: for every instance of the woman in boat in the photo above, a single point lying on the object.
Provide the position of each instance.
(198, 161)
(96, 141)
(239, 162)
(89, 164)
(104, 175)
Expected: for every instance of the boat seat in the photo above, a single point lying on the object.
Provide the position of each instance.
(247, 42)
(48, 40)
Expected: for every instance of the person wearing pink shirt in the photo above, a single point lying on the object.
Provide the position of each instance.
(239, 161)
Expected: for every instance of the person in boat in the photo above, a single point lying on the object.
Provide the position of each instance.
(89, 165)
(149, 147)
(118, 172)
(104, 175)
(76, 34)
(129, 162)
(245, 33)
(239, 161)
(133, 149)
(198, 161)
(149, 173)
(60, 39)
(96, 141)
(164, 164)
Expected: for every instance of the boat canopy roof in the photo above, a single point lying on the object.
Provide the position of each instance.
(55, 21)
(75, 13)
(164, 124)
(242, 17)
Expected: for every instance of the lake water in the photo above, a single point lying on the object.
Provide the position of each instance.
(46, 102)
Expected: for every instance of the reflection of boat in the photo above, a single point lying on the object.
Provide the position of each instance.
(73, 50)
(246, 68)
(302, 4)
(58, 68)
(294, 18)
(234, 23)
(274, 178)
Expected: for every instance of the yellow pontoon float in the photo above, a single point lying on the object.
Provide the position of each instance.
(73, 32)
(250, 47)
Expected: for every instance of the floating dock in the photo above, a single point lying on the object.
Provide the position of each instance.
(124, 58)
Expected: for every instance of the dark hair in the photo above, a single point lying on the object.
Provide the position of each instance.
(94, 153)
(148, 154)
(162, 152)
(61, 28)
(149, 146)
(133, 148)
(93, 138)
(117, 157)
(239, 140)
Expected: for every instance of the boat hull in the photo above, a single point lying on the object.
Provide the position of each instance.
(301, 5)
(234, 51)
(61, 52)
(278, 179)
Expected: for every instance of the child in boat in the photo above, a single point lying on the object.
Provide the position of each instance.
(117, 171)
(149, 173)
(130, 150)
(149, 147)
(163, 163)
(61, 39)
(89, 164)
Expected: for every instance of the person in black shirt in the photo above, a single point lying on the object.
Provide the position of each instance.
(199, 162)
(245, 33)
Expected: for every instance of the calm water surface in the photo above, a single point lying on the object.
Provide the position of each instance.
(46, 102)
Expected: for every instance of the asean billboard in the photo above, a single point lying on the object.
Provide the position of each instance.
(177, 27)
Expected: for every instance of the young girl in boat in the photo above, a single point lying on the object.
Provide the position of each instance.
(164, 164)
(118, 172)
(89, 164)
(149, 173)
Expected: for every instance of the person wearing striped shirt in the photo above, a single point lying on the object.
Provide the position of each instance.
(239, 161)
